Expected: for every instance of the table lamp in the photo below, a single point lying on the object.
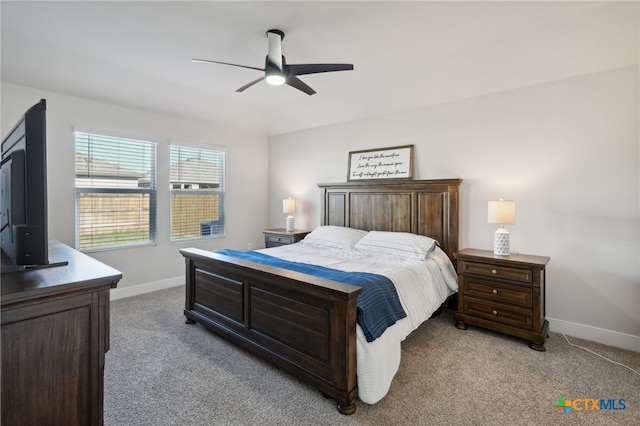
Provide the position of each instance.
(503, 213)
(288, 207)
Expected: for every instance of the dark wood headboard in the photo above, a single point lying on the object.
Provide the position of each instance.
(424, 207)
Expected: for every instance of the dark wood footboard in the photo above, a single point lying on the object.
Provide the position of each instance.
(302, 324)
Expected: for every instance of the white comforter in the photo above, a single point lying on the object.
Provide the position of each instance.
(422, 287)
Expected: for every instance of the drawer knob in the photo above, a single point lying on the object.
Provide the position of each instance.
(494, 291)
(493, 271)
(494, 312)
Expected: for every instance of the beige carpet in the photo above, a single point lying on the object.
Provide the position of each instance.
(161, 371)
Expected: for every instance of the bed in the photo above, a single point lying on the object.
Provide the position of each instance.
(306, 324)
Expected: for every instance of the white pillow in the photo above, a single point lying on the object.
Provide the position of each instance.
(334, 236)
(401, 244)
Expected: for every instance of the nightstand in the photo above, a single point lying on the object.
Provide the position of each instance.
(503, 294)
(280, 237)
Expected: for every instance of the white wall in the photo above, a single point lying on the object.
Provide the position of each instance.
(567, 152)
(159, 265)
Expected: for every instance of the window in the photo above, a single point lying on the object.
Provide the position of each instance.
(197, 193)
(115, 192)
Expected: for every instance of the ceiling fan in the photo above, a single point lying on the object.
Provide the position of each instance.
(277, 71)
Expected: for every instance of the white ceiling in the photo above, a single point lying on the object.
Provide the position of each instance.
(405, 54)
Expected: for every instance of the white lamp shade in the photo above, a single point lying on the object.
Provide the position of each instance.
(502, 212)
(288, 205)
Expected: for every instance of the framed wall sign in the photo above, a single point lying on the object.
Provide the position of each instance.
(382, 163)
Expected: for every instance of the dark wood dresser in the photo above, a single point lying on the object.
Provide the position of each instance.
(55, 332)
(503, 293)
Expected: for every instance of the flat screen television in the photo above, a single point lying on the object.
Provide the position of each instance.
(24, 233)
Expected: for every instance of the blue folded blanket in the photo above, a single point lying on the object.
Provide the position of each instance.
(378, 305)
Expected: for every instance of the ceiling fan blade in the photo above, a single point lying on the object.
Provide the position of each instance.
(246, 86)
(302, 69)
(206, 61)
(294, 81)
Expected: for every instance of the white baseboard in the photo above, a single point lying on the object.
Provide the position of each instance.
(595, 334)
(135, 290)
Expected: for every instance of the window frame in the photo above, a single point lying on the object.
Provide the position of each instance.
(151, 190)
(220, 191)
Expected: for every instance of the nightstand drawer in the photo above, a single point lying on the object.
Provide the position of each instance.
(522, 275)
(279, 239)
(498, 313)
(496, 292)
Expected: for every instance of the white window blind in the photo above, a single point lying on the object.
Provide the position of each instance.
(115, 191)
(197, 193)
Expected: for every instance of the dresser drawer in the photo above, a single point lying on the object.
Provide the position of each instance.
(496, 292)
(498, 313)
(511, 273)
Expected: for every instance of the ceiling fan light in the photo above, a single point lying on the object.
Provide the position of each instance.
(275, 79)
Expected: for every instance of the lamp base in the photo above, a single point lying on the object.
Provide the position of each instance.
(290, 224)
(501, 242)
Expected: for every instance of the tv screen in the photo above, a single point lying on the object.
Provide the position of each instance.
(24, 190)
